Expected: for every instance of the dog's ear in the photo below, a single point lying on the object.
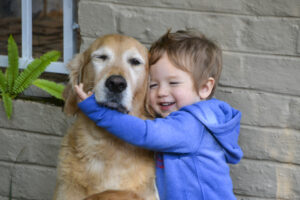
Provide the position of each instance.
(75, 67)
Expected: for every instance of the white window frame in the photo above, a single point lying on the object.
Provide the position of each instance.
(69, 38)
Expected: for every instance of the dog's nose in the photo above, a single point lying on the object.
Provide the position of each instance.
(116, 83)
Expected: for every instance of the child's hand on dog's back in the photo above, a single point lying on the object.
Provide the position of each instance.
(80, 93)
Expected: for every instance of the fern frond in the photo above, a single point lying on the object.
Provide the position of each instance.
(51, 87)
(2, 82)
(34, 70)
(7, 102)
(13, 62)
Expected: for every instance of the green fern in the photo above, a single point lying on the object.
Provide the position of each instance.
(13, 63)
(52, 88)
(12, 83)
(34, 70)
(2, 82)
(7, 101)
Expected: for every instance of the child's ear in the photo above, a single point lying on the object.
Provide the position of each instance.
(206, 88)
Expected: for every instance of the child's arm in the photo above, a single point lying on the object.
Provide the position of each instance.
(172, 134)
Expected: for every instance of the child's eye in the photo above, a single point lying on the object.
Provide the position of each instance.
(174, 83)
(153, 85)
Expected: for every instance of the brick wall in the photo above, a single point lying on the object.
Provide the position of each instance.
(261, 74)
(261, 77)
(29, 144)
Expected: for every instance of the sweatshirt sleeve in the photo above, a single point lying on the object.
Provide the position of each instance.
(179, 133)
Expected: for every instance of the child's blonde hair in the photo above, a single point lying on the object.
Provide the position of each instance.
(192, 52)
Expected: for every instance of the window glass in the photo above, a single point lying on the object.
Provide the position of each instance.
(10, 23)
(47, 27)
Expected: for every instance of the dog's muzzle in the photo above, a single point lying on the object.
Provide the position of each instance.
(115, 85)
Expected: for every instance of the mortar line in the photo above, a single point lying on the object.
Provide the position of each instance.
(35, 165)
(274, 162)
(258, 91)
(273, 128)
(263, 54)
(32, 132)
(257, 197)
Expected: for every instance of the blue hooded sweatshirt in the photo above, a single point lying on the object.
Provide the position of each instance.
(195, 145)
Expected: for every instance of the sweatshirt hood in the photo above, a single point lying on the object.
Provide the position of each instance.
(223, 122)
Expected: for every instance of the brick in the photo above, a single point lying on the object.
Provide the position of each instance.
(232, 71)
(37, 117)
(35, 183)
(232, 6)
(266, 35)
(28, 148)
(253, 7)
(5, 174)
(96, 19)
(263, 109)
(280, 145)
(266, 179)
(273, 7)
(267, 73)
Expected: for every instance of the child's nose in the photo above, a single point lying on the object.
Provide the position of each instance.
(162, 91)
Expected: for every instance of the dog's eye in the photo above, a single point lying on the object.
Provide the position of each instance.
(134, 61)
(102, 57)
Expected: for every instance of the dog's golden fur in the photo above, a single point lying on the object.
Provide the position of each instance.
(91, 160)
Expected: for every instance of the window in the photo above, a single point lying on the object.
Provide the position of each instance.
(48, 25)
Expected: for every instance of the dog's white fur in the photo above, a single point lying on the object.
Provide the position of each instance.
(91, 160)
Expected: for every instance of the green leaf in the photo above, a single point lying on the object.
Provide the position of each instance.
(2, 82)
(13, 62)
(34, 70)
(7, 102)
(51, 87)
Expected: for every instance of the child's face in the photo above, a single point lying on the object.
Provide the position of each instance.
(170, 87)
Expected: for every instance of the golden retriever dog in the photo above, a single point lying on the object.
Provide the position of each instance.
(94, 164)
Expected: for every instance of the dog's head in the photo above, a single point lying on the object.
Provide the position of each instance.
(115, 68)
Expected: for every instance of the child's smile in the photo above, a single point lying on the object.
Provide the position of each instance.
(166, 106)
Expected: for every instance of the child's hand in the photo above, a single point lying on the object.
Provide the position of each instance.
(80, 93)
